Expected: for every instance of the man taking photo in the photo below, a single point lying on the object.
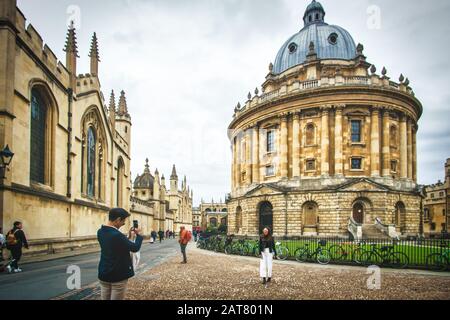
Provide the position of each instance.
(116, 266)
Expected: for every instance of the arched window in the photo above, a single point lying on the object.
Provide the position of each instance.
(213, 222)
(224, 210)
(38, 137)
(310, 134)
(91, 142)
(310, 210)
(120, 178)
(94, 153)
(238, 219)
(393, 136)
(400, 212)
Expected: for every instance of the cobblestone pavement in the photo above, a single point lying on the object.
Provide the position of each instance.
(210, 275)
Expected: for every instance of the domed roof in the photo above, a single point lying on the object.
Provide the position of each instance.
(146, 180)
(330, 41)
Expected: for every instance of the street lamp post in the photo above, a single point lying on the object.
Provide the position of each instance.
(6, 156)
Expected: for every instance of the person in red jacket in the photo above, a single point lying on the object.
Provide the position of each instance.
(184, 240)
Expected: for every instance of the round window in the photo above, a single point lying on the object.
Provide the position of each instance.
(333, 38)
(292, 47)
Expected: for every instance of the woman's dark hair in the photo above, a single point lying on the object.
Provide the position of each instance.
(118, 213)
(269, 235)
(17, 224)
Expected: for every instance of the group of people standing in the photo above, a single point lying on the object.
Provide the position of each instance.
(161, 235)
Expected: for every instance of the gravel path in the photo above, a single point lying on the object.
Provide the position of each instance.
(216, 276)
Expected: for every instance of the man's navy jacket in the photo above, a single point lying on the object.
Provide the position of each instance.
(115, 260)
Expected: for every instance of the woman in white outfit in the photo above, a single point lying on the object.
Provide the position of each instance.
(135, 256)
(267, 249)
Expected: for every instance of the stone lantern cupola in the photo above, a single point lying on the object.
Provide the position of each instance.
(314, 13)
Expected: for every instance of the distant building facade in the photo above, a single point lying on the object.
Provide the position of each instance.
(213, 214)
(437, 206)
(196, 218)
(171, 208)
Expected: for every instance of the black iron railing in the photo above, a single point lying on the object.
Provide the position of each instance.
(417, 253)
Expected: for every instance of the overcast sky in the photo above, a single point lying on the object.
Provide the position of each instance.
(185, 64)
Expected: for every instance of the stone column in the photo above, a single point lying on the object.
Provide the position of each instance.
(409, 148)
(375, 143)
(338, 156)
(403, 148)
(238, 158)
(255, 154)
(325, 143)
(414, 153)
(296, 146)
(248, 156)
(284, 147)
(233, 164)
(386, 149)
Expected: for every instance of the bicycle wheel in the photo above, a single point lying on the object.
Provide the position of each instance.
(228, 249)
(337, 252)
(398, 260)
(436, 262)
(356, 255)
(323, 256)
(370, 258)
(282, 253)
(301, 255)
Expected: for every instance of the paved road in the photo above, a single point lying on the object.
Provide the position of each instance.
(48, 279)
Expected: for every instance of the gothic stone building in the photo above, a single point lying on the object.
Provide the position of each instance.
(328, 146)
(72, 151)
(171, 208)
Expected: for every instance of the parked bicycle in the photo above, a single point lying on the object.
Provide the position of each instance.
(234, 246)
(439, 261)
(282, 251)
(251, 248)
(384, 256)
(339, 253)
(320, 253)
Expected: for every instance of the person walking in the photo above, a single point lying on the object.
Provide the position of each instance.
(195, 235)
(15, 241)
(268, 251)
(161, 235)
(116, 267)
(153, 235)
(184, 240)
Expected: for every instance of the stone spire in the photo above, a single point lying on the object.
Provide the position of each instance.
(112, 108)
(95, 57)
(123, 108)
(147, 167)
(71, 49)
(174, 175)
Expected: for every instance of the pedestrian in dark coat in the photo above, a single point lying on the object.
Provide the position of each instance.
(20, 241)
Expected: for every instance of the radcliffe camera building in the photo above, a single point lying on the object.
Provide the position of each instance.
(328, 145)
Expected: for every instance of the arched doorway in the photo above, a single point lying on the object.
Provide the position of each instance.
(310, 217)
(358, 212)
(213, 222)
(238, 225)
(265, 216)
(400, 212)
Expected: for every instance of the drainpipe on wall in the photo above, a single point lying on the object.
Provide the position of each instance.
(285, 215)
(69, 143)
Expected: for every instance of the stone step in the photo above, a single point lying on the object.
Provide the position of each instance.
(371, 231)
